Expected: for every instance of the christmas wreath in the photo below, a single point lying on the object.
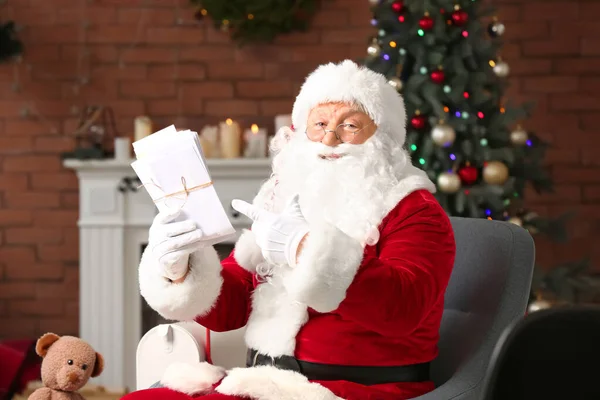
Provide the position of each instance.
(256, 21)
(10, 46)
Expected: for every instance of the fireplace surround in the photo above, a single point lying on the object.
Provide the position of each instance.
(114, 217)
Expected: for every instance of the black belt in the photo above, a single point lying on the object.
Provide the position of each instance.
(356, 374)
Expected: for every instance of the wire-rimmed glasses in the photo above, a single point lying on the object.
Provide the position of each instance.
(345, 133)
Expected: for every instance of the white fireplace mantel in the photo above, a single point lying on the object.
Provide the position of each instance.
(114, 217)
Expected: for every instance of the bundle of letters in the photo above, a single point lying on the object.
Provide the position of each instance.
(171, 166)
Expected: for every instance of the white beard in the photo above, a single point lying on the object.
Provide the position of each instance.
(354, 192)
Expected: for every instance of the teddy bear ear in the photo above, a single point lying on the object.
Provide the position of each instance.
(44, 343)
(98, 365)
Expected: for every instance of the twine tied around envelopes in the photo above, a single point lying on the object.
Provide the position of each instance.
(179, 195)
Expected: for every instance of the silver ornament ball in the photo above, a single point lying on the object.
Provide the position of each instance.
(448, 182)
(516, 220)
(498, 28)
(501, 69)
(374, 50)
(519, 136)
(396, 83)
(443, 135)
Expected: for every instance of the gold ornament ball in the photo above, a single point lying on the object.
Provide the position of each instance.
(495, 173)
(501, 69)
(374, 50)
(516, 221)
(519, 136)
(396, 83)
(448, 182)
(443, 135)
(539, 304)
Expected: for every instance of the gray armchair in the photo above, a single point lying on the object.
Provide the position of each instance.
(488, 291)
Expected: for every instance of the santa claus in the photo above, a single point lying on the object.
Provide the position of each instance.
(340, 282)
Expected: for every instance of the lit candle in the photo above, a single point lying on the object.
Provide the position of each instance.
(230, 138)
(209, 141)
(142, 127)
(256, 142)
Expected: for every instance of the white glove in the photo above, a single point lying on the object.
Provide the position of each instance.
(171, 243)
(277, 235)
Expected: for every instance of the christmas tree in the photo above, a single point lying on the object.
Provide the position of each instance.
(445, 57)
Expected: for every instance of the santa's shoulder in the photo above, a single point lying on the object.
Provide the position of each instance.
(420, 205)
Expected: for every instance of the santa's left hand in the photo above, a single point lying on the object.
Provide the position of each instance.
(277, 235)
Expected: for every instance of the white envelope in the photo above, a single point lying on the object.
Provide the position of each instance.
(173, 171)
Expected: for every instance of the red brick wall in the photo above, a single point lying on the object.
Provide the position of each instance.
(131, 62)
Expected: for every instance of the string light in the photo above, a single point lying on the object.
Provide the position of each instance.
(490, 218)
(447, 89)
(413, 147)
(465, 115)
(421, 32)
(502, 110)
(204, 12)
(492, 63)
(484, 142)
(458, 114)
(401, 18)
(452, 157)
(423, 70)
(529, 143)
(386, 57)
(422, 161)
(466, 95)
(506, 202)
(446, 109)
(402, 51)
(467, 192)
(381, 32)
(488, 212)
(465, 34)
(393, 44)
(480, 114)
(374, 22)
(250, 16)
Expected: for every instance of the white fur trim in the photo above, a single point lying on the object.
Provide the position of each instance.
(276, 317)
(270, 383)
(350, 83)
(327, 265)
(182, 301)
(192, 378)
(247, 253)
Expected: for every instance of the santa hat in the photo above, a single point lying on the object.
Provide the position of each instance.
(348, 82)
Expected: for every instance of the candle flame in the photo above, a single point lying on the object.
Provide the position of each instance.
(229, 121)
(254, 128)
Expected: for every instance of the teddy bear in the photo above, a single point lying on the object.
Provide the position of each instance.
(68, 363)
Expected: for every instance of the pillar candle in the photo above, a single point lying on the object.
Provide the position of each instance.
(122, 149)
(209, 140)
(281, 121)
(256, 142)
(231, 138)
(142, 127)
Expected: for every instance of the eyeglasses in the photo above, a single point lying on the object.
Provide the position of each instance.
(345, 133)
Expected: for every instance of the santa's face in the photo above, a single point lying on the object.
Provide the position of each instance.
(336, 123)
(338, 182)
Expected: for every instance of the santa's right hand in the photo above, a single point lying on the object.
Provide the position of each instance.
(171, 243)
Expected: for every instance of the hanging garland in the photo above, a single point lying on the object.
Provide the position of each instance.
(10, 46)
(257, 21)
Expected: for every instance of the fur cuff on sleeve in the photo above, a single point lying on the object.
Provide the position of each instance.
(182, 301)
(247, 253)
(326, 268)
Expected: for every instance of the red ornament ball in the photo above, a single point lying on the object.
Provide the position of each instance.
(438, 76)
(398, 6)
(459, 17)
(468, 174)
(418, 122)
(426, 23)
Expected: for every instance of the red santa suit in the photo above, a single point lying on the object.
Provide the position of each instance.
(367, 292)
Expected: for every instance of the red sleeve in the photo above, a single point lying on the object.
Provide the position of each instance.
(232, 307)
(396, 287)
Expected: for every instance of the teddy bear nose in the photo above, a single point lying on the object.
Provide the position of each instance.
(73, 377)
